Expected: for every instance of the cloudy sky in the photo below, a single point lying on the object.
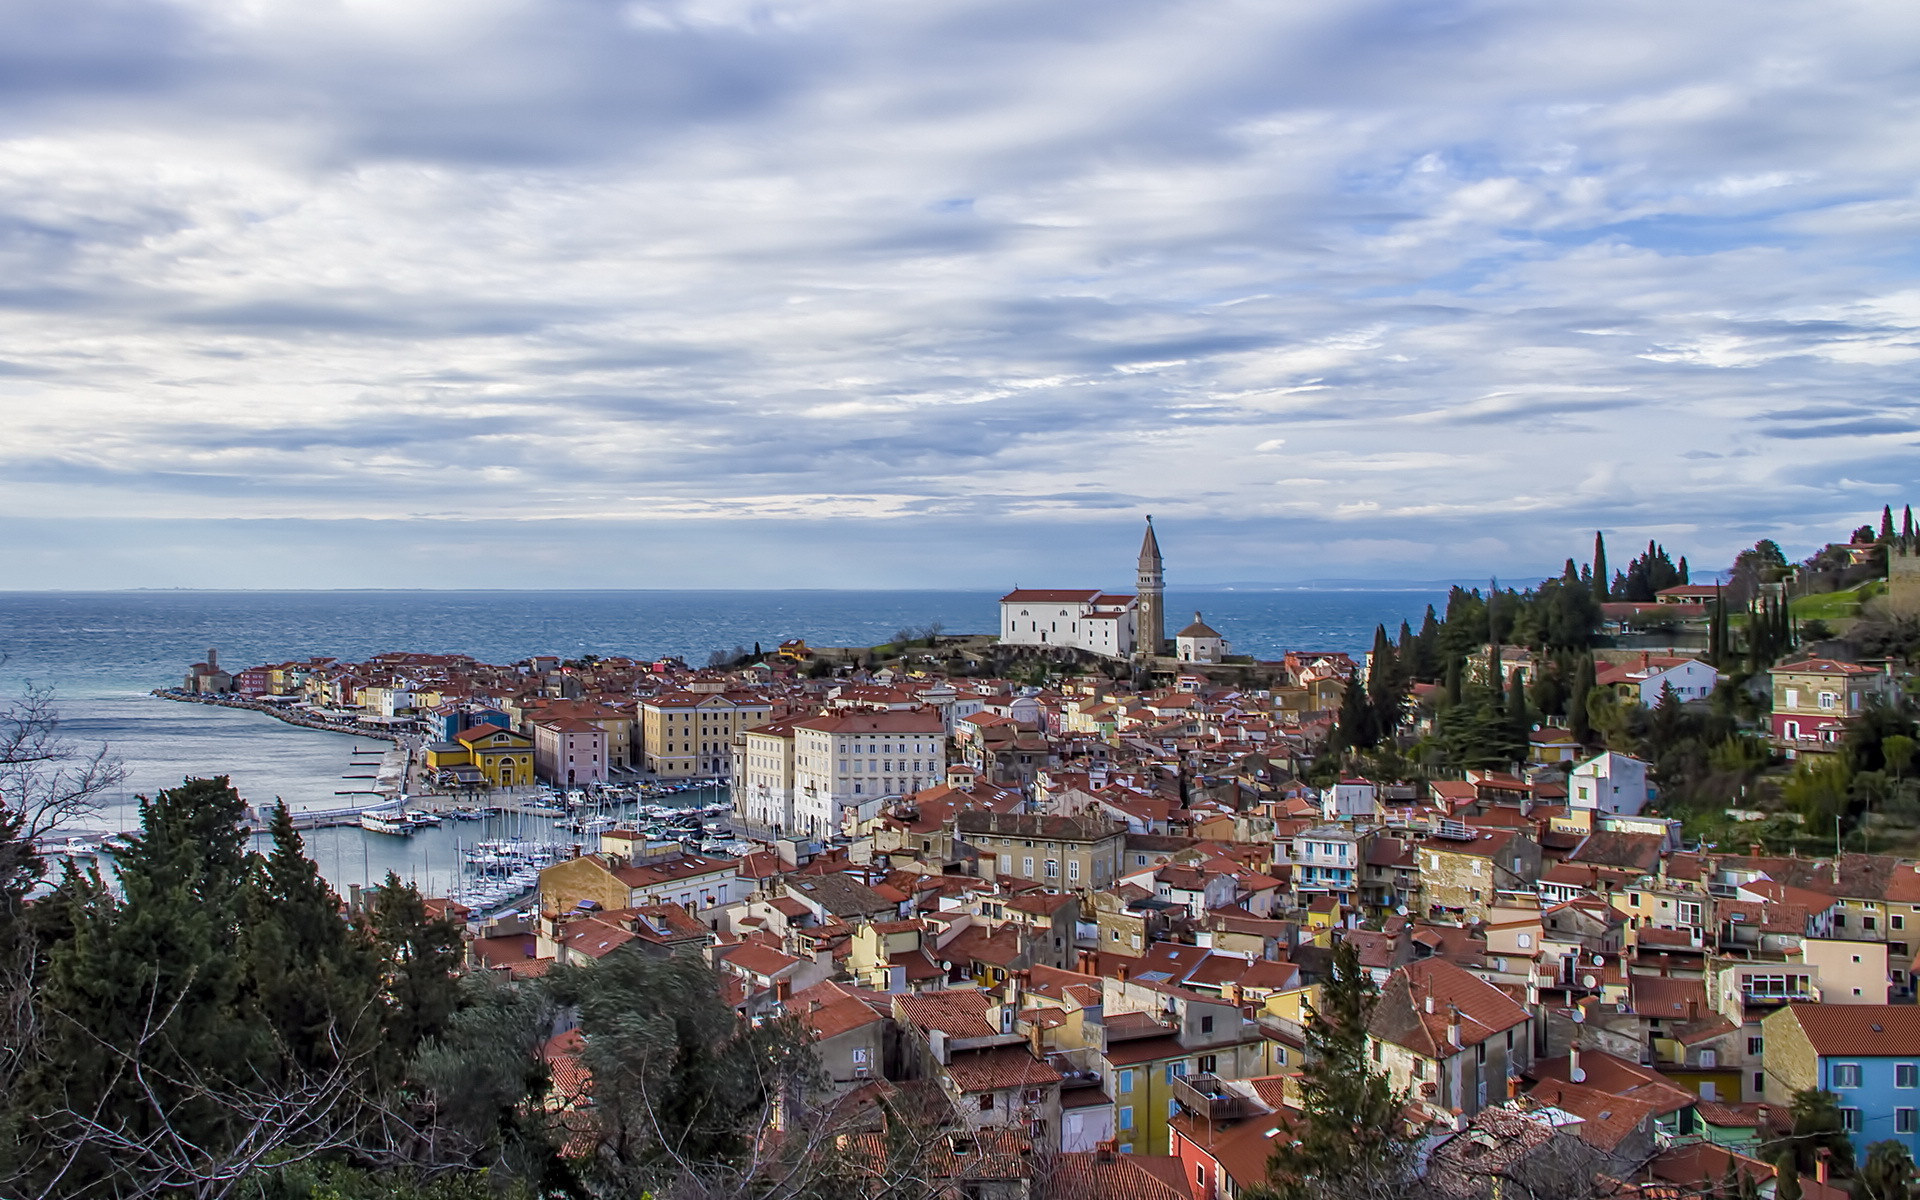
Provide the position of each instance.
(945, 292)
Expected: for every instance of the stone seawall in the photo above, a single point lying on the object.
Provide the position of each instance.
(301, 719)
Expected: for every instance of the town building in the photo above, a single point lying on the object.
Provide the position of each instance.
(1814, 697)
(689, 734)
(1867, 1056)
(848, 762)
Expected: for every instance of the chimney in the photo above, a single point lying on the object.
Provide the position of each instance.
(1453, 1024)
(1820, 1163)
(1573, 1062)
(1693, 1009)
(1429, 1001)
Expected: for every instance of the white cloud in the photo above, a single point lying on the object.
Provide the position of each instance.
(728, 261)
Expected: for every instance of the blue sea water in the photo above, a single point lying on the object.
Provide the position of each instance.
(101, 653)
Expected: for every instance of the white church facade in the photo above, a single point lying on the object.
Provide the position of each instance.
(1103, 623)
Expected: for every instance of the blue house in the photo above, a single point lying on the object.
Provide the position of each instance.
(1867, 1055)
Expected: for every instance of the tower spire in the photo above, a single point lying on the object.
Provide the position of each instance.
(1150, 608)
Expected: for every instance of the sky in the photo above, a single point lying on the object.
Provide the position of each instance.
(947, 293)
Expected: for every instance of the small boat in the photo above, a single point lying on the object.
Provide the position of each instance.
(397, 824)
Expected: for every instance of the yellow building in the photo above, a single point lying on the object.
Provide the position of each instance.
(505, 758)
(687, 734)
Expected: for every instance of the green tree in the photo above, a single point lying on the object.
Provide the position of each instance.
(1519, 720)
(1349, 1132)
(1818, 790)
(1786, 1177)
(680, 1083)
(1886, 522)
(1599, 565)
(144, 1030)
(1817, 1126)
(1386, 687)
(311, 977)
(420, 956)
(1897, 751)
(1578, 722)
(1887, 1174)
(1354, 728)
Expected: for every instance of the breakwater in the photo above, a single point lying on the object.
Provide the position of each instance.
(303, 718)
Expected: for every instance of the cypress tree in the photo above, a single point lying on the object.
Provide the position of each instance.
(1886, 522)
(1349, 1133)
(1383, 686)
(1906, 525)
(1583, 683)
(1428, 663)
(1455, 669)
(1519, 723)
(1599, 565)
(1683, 570)
(1354, 728)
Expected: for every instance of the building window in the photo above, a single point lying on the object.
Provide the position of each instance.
(1126, 1082)
(1850, 1120)
(1176, 1070)
(986, 1102)
(1126, 1117)
(1755, 1044)
(1846, 1075)
(1206, 1024)
(1759, 1083)
(1906, 1075)
(1903, 1120)
(1207, 1064)
(1026, 866)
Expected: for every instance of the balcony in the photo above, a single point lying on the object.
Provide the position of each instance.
(1205, 1096)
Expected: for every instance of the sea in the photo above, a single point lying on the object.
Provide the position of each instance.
(101, 653)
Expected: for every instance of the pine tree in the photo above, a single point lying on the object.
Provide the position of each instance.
(420, 956)
(312, 977)
(1349, 1132)
(1599, 566)
(150, 982)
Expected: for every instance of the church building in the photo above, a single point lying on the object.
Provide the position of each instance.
(1115, 626)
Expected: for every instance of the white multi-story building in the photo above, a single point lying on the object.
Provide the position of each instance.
(763, 777)
(1609, 783)
(849, 760)
(1078, 620)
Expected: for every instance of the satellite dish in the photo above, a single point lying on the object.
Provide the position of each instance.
(1579, 1074)
(1400, 910)
(1588, 981)
(1599, 960)
(1579, 1015)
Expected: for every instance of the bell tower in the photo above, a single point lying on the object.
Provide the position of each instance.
(1151, 626)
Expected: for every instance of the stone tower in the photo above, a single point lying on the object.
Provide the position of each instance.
(1151, 618)
(1903, 577)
